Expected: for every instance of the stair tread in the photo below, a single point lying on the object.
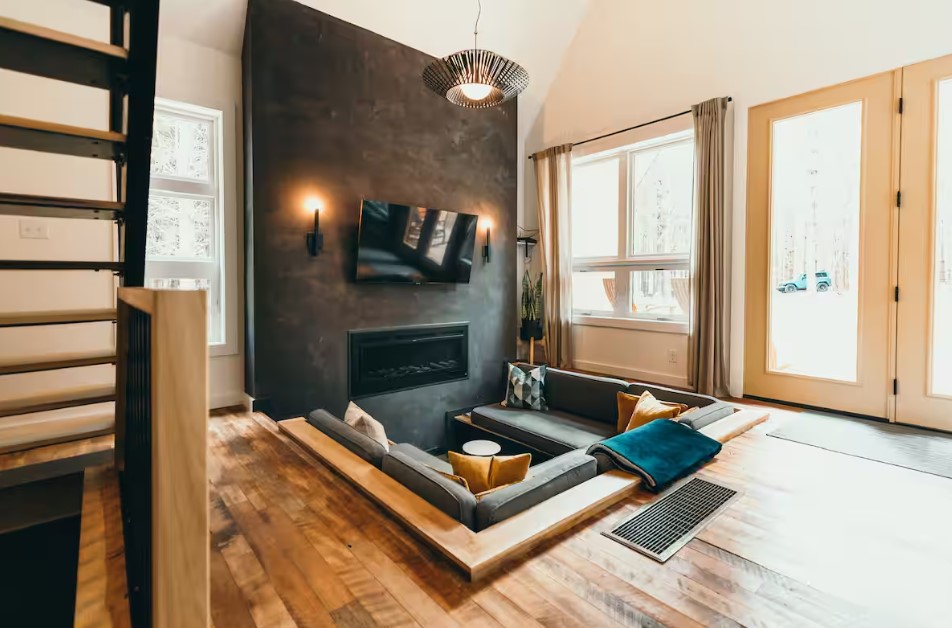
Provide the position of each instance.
(60, 317)
(52, 363)
(66, 398)
(60, 129)
(40, 51)
(63, 139)
(59, 207)
(27, 264)
(30, 432)
(63, 37)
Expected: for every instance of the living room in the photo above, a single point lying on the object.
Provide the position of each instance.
(505, 314)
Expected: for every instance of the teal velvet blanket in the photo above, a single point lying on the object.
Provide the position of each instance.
(661, 452)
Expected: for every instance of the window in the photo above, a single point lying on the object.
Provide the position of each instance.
(184, 248)
(632, 227)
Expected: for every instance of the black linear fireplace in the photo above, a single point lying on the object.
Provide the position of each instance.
(385, 360)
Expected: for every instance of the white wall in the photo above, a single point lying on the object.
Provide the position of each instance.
(637, 60)
(210, 78)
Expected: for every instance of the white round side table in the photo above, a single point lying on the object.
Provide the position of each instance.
(481, 448)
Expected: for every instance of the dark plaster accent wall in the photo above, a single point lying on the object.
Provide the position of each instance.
(341, 113)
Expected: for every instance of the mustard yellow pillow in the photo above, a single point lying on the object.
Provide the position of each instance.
(454, 478)
(473, 469)
(626, 408)
(648, 409)
(508, 469)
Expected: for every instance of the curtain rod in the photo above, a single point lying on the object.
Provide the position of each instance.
(632, 128)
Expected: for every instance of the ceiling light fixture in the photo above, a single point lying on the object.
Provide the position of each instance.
(476, 78)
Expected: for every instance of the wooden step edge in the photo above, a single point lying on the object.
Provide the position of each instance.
(69, 39)
(43, 126)
(29, 200)
(27, 436)
(66, 317)
(26, 264)
(57, 400)
(54, 364)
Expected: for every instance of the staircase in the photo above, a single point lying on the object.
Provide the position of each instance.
(46, 397)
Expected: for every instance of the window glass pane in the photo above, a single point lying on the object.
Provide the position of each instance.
(179, 227)
(662, 193)
(661, 294)
(595, 209)
(180, 147)
(942, 302)
(215, 330)
(593, 292)
(814, 239)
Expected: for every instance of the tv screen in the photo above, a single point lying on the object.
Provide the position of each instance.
(405, 244)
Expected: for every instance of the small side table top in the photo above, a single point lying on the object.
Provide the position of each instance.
(481, 448)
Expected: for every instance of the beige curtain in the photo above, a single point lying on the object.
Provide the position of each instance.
(709, 347)
(553, 168)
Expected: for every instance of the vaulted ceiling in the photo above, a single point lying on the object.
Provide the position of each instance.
(530, 32)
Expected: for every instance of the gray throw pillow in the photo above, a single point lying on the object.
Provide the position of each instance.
(525, 387)
(366, 424)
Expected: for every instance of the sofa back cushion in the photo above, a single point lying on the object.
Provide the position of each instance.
(364, 446)
(404, 466)
(587, 396)
(691, 400)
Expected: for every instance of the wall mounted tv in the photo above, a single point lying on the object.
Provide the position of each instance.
(414, 245)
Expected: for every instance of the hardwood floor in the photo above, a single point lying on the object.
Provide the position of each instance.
(818, 539)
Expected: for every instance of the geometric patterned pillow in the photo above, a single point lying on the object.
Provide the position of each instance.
(524, 388)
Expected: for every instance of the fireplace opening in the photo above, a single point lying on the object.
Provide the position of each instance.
(386, 360)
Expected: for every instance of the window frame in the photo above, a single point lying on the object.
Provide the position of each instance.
(214, 268)
(626, 263)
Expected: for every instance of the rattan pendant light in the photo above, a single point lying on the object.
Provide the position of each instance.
(476, 78)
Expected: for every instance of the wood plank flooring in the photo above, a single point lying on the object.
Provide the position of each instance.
(818, 539)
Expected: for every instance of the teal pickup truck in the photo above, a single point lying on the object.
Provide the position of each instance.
(800, 283)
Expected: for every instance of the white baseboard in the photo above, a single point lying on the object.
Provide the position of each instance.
(650, 377)
(226, 399)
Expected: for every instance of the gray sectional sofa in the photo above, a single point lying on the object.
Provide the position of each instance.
(582, 411)
(417, 470)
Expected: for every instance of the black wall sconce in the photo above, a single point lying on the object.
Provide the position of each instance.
(486, 251)
(315, 239)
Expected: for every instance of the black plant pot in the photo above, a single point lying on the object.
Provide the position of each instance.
(530, 330)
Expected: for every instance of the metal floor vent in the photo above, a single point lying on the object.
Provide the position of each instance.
(665, 526)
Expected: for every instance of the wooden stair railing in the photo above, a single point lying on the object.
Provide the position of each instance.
(125, 68)
(161, 448)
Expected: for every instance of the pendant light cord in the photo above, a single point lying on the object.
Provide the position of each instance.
(479, 13)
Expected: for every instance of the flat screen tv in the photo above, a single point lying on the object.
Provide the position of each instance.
(414, 245)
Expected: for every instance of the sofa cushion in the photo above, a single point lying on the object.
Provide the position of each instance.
(587, 396)
(524, 387)
(552, 432)
(357, 418)
(545, 480)
(364, 446)
(404, 466)
(703, 416)
(474, 469)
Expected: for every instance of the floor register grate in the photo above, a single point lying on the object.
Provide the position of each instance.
(665, 526)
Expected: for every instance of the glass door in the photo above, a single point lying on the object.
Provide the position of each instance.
(924, 347)
(820, 210)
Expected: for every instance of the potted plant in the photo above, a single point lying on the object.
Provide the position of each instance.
(531, 308)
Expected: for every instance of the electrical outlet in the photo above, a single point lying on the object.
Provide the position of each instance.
(34, 229)
(673, 356)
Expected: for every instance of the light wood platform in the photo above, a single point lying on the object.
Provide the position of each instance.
(64, 317)
(478, 553)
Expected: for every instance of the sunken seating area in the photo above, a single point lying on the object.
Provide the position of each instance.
(479, 534)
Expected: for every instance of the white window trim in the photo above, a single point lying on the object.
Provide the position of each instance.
(626, 262)
(217, 270)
